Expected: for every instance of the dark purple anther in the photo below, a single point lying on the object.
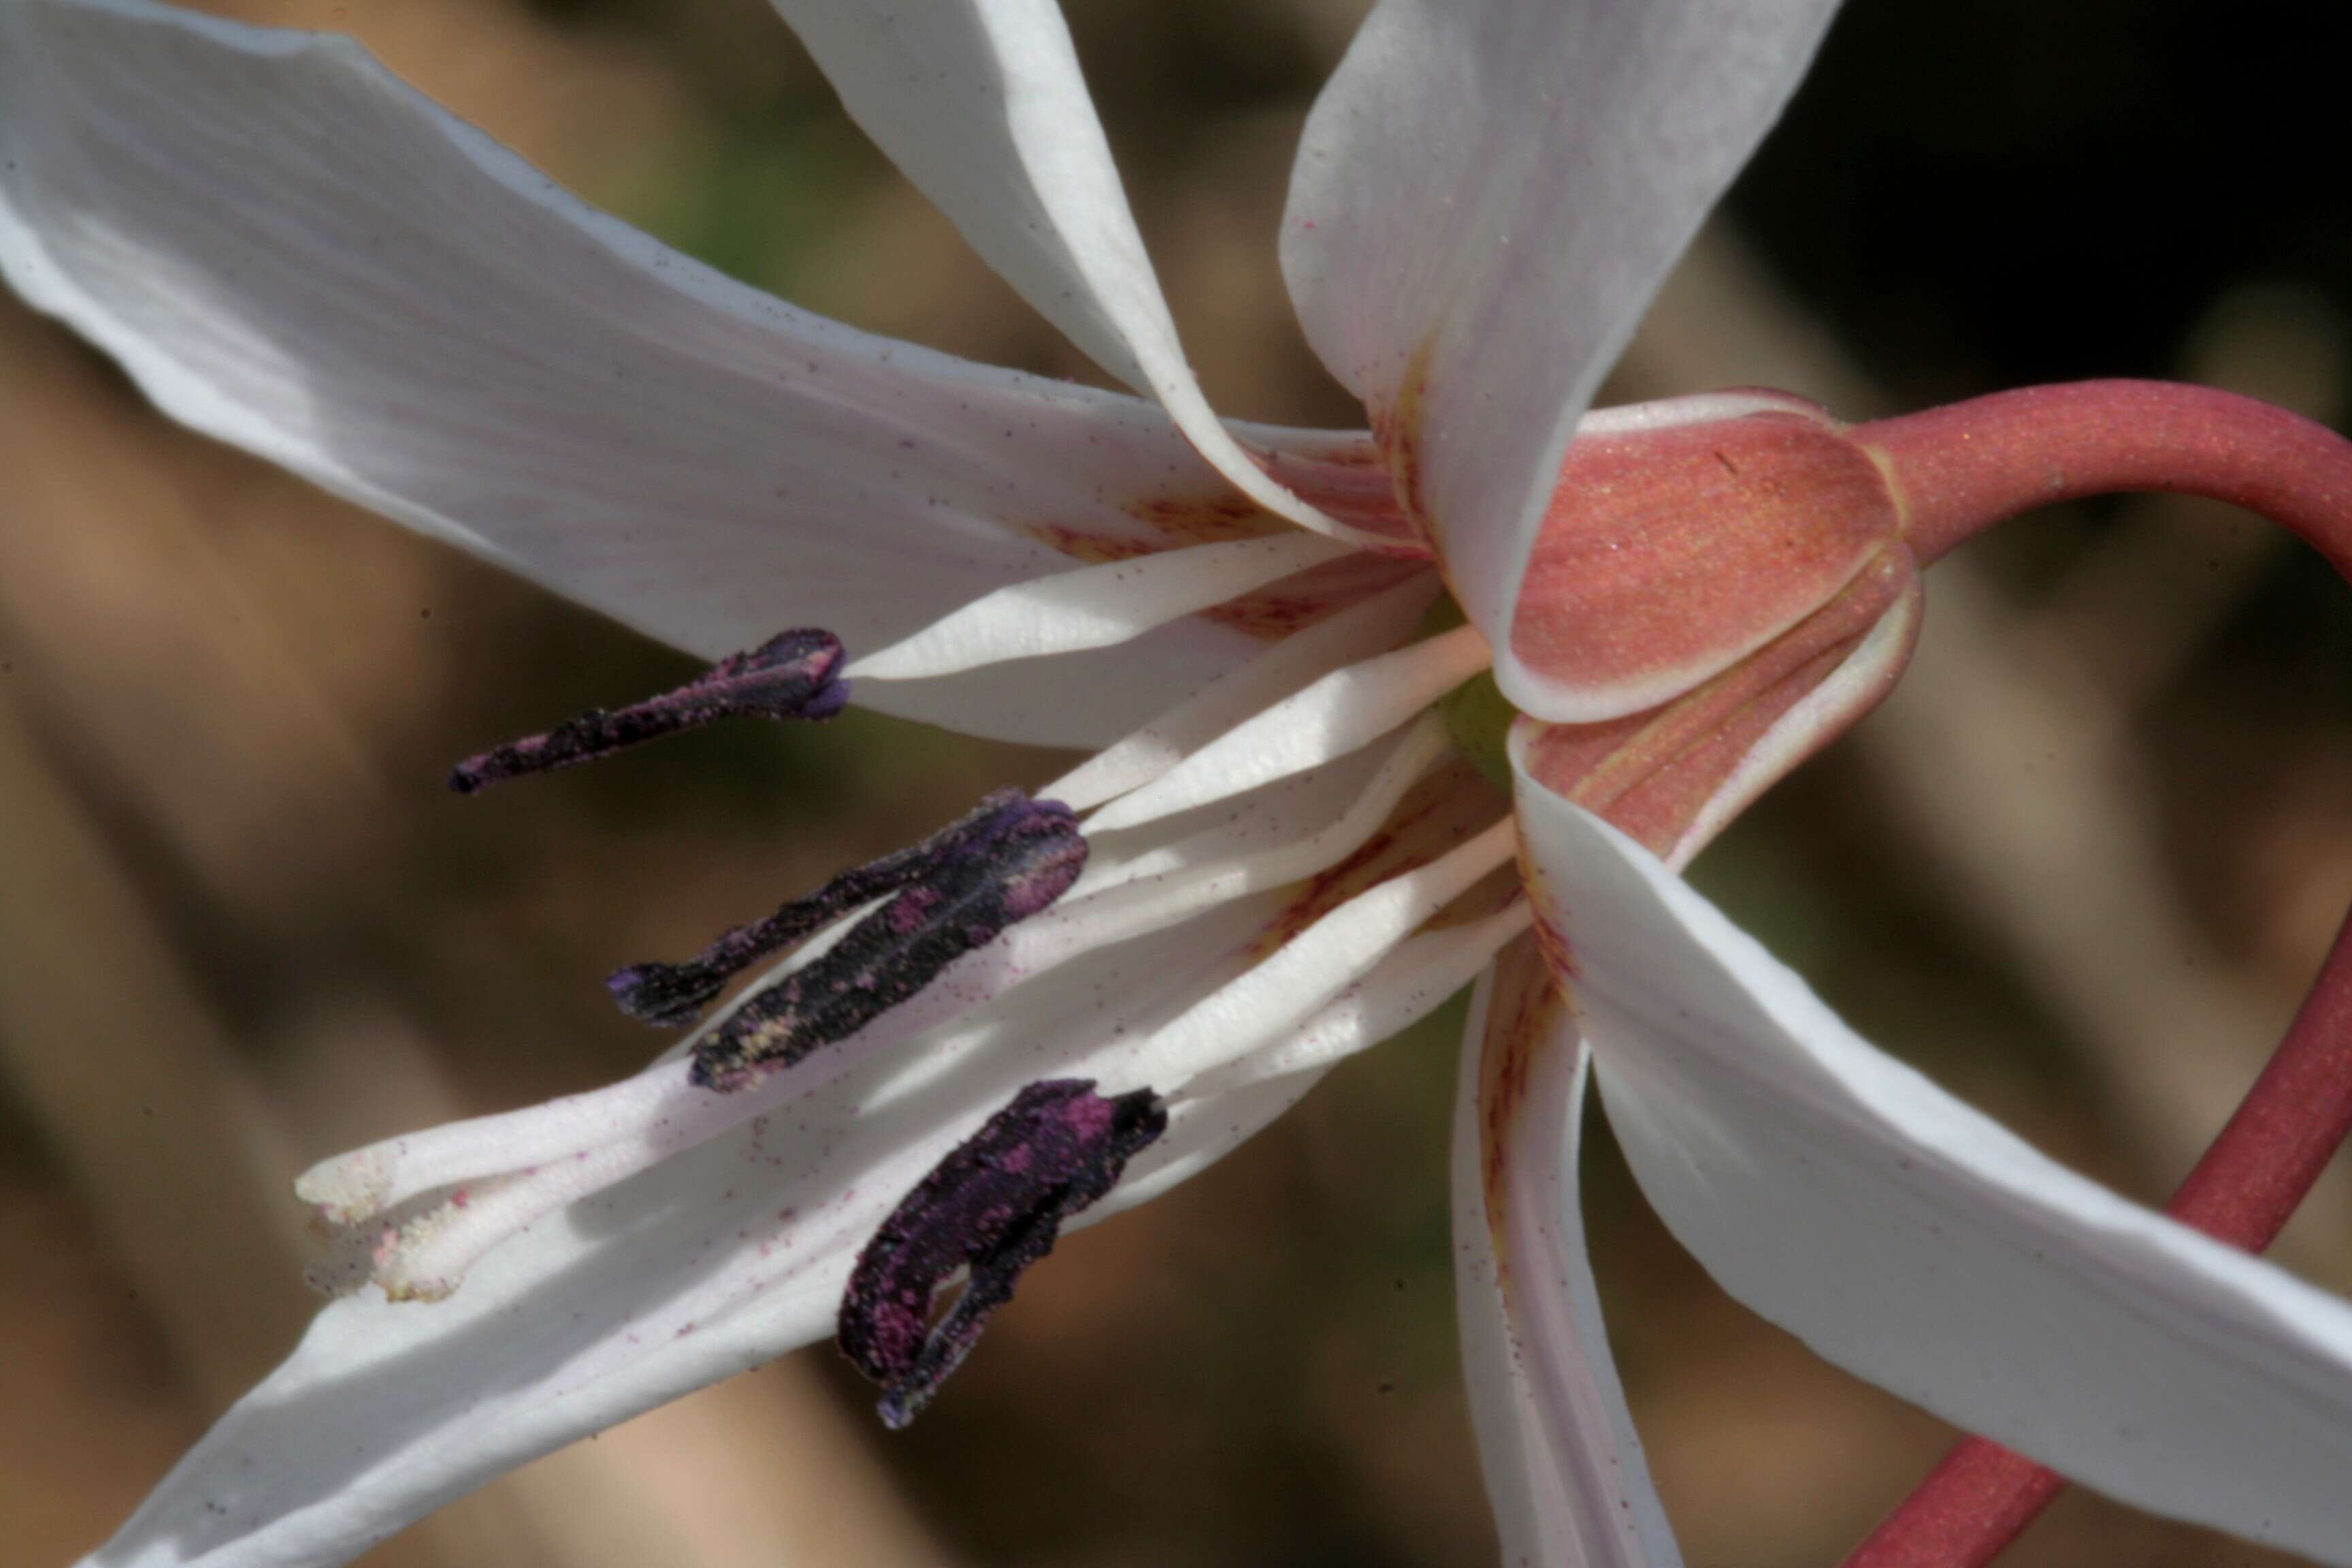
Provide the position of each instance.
(791, 676)
(1009, 858)
(672, 993)
(996, 1203)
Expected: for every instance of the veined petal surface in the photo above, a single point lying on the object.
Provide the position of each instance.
(293, 252)
(1564, 1467)
(1914, 1241)
(1487, 194)
(981, 105)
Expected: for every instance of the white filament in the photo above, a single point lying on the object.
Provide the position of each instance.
(1260, 841)
(1313, 967)
(1357, 632)
(1407, 988)
(1347, 709)
(502, 1173)
(1096, 607)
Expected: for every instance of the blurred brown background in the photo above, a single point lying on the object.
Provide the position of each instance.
(2079, 870)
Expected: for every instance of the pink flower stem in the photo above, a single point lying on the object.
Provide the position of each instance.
(1960, 469)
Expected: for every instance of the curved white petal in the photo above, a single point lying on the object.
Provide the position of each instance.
(981, 105)
(1913, 1241)
(293, 252)
(1487, 194)
(1563, 1463)
(720, 1258)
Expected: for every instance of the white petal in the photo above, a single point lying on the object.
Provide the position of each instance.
(1096, 607)
(1345, 709)
(293, 252)
(1487, 194)
(714, 1261)
(1564, 1467)
(1915, 1242)
(1377, 625)
(981, 105)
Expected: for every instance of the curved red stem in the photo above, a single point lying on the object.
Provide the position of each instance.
(1959, 469)
(1981, 1496)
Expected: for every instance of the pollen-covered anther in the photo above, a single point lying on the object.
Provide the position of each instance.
(794, 675)
(671, 994)
(1007, 861)
(996, 1203)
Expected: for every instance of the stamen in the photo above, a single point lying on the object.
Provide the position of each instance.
(421, 1210)
(1264, 843)
(672, 994)
(519, 1164)
(1003, 863)
(794, 675)
(997, 1203)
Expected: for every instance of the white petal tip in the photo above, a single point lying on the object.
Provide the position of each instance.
(396, 1289)
(350, 1187)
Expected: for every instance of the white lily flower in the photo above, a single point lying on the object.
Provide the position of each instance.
(1289, 859)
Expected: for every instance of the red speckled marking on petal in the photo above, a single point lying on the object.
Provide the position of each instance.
(1435, 815)
(1523, 1021)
